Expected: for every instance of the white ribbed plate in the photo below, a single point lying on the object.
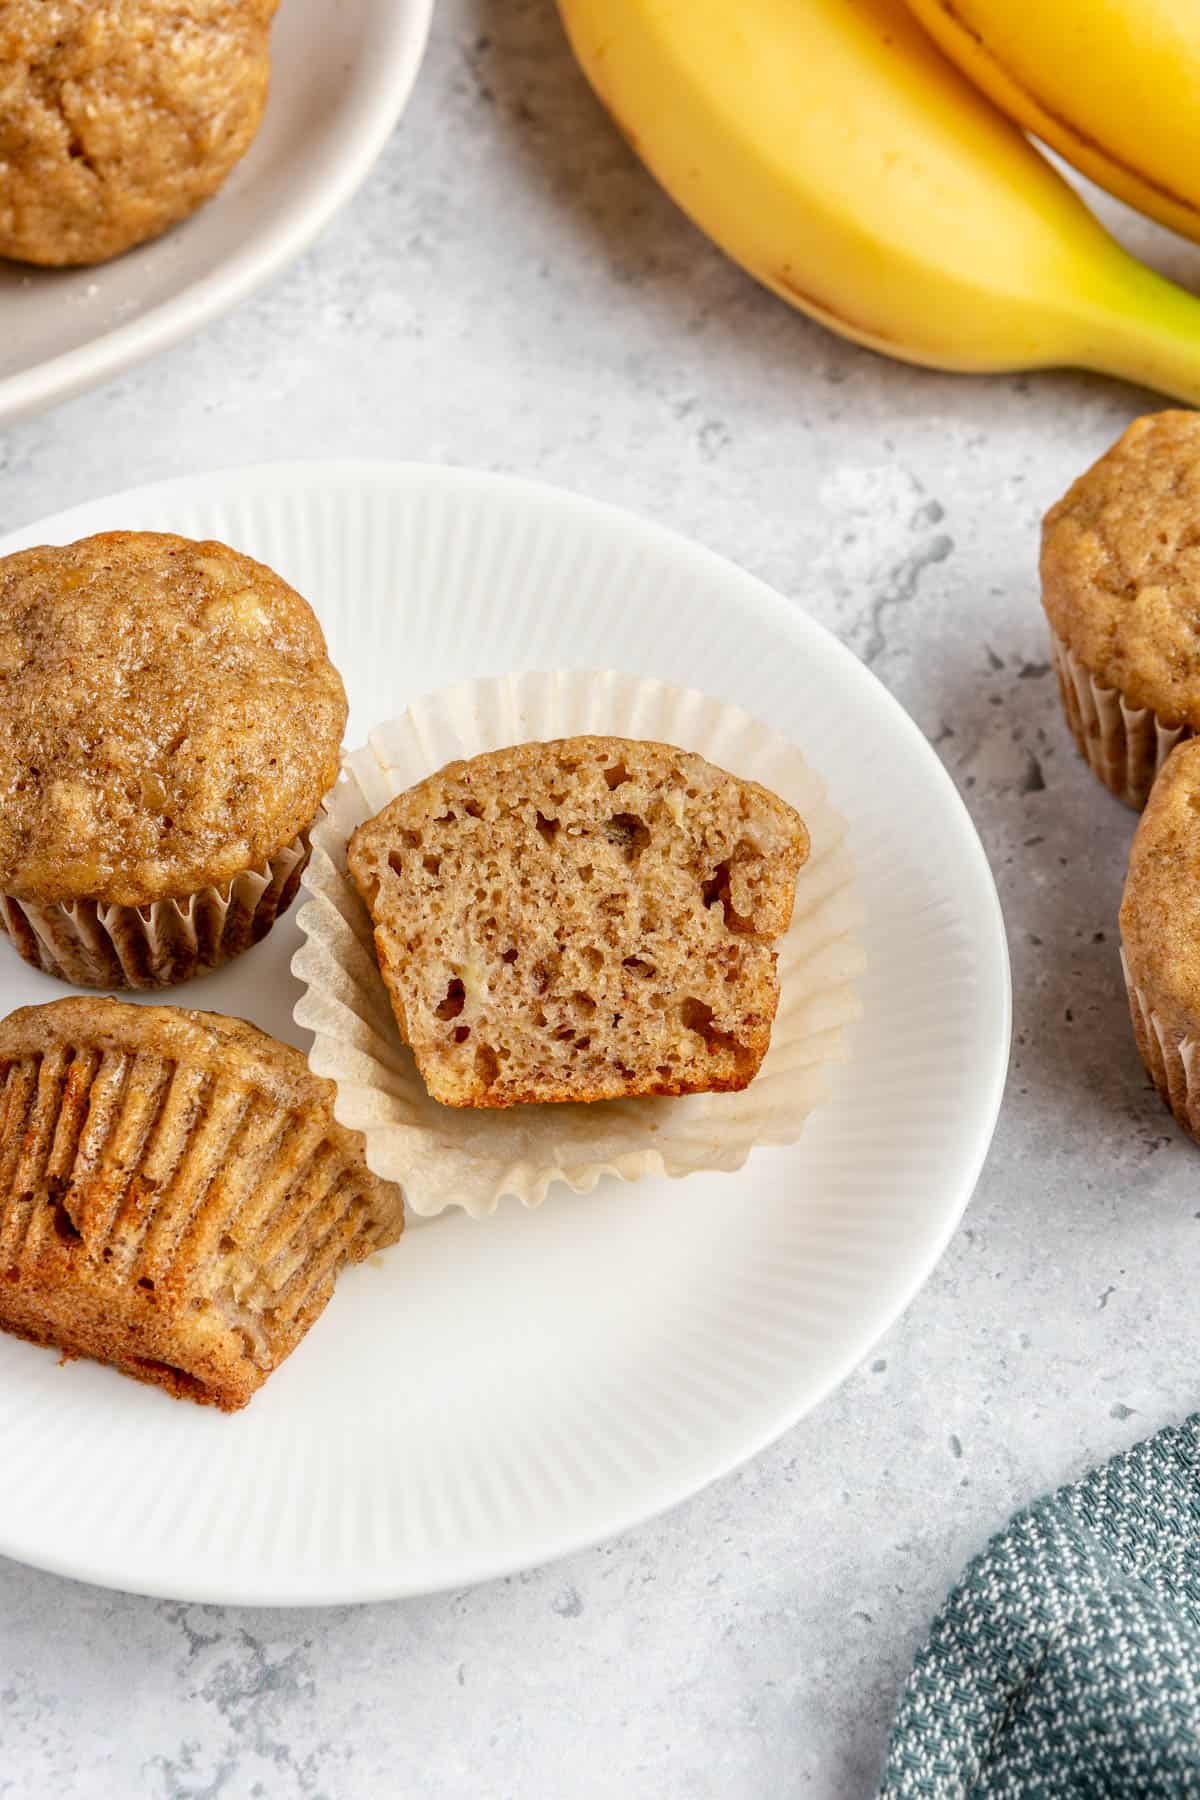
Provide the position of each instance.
(490, 1395)
(341, 72)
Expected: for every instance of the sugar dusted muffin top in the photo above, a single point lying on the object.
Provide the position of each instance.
(1121, 566)
(168, 717)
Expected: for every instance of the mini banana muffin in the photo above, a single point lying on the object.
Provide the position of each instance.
(1121, 587)
(176, 1198)
(169, 726)
(1160, 934)
(118, 118)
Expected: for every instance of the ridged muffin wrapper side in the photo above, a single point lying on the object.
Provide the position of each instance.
(1172, 1058)
(444, 1156)
(92, 944)
(161, 1197)
(1124, 746)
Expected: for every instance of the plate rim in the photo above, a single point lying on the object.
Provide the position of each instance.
(233, 279)
(793, 617)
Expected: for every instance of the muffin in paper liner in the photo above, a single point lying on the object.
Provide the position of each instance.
(1160, 934)
(1172, 1058)
(176, 1197)
(445, 1156)
(102, 945)
(170, 723)
(1124, 746)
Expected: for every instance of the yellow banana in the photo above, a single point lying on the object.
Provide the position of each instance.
(1112, 85)
(831, 149)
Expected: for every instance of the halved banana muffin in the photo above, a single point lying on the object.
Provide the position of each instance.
(170, 723)
(176, 1198)
(585, 919)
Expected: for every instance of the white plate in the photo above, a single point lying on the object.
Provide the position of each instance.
(340, 76)
(492, 1395)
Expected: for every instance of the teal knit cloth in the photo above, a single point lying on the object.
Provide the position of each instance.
(1067, 1661)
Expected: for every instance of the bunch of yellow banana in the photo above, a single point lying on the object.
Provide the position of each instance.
(833, 150)
(1112, 85)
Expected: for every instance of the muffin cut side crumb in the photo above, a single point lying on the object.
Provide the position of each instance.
(581, 920)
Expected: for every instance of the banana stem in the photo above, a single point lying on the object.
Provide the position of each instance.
(1147, 330)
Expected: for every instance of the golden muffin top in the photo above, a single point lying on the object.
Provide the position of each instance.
(1160, 913)
(168, 717)
(119, 117)
(1121, 566)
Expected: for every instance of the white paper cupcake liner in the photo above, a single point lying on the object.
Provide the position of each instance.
(1124, 746)
(1172, 1059)
(106, 946)
(445, 1156)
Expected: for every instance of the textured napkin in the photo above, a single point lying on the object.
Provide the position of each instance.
(1067, 1661)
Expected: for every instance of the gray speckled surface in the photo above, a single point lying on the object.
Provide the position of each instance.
(511, 290)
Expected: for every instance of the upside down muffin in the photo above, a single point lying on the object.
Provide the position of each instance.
(176, 1198)
(120, 117)
(170, 723)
